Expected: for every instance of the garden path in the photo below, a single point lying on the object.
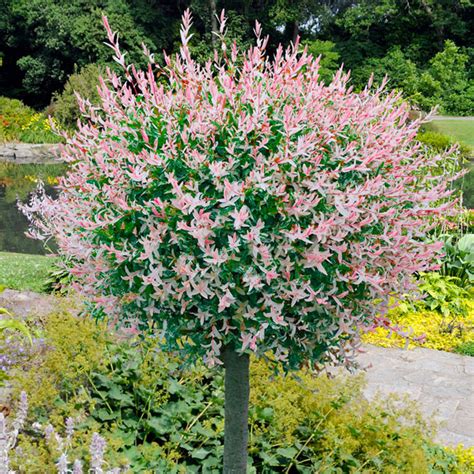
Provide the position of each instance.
(441, 382)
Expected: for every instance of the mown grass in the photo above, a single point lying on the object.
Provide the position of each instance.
(24, 272)
(462, 130)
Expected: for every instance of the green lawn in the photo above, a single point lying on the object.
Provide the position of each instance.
(24, 272)
(462, 130)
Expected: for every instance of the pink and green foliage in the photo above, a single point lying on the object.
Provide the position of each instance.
(244, 202)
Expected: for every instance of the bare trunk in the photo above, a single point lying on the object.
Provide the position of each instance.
(237, 390)
(213, 8)
(296, 31)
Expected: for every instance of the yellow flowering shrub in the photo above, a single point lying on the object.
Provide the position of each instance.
(78, 347)
(440, 333)
(21, 123)
(465, 459)
(33, 121)
(38, 130)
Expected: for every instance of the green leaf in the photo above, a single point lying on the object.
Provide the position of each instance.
(128, 438)
(267, 413)
(288, 452)
(200, 453)
(466, 243)
(174, 387)
(269, 459)
(105, 415)
(116, 394)
(103, 380)
(14, 324)
(131, 423)
(160, 425)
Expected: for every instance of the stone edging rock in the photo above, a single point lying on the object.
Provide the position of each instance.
(28, 153)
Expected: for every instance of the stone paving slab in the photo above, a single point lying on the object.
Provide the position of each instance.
(442, 383)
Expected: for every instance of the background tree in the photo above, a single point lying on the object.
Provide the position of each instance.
(330, 58)
(43, 41)
(242, 207)
(85, 83)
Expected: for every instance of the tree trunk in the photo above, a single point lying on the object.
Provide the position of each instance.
(237, 389)
(213, 8)
(296, 31)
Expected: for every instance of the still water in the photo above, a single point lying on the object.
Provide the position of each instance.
(19, 182)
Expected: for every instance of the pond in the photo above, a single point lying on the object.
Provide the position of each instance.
(19, 182)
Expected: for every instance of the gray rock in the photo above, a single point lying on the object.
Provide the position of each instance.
(27, 303)
(27, 153)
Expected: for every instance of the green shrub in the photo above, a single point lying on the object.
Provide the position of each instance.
(14, 115)
(38, 130)
(449, 68)
(330, 58)
(64, 106)
(402, 73)
(446, 82)
(444, 294)
(19, 122)
(440, 142)
(458, 261)
(77, 348)
(8, 323)
(466, 348)
(163, 417)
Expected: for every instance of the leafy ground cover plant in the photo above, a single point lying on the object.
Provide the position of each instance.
(244, 207)
(466, 348)
(444, 294)
(58, 280)
(158, 415)
(8, 355)
(458, 261)
(443, 318)
(428, 329)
